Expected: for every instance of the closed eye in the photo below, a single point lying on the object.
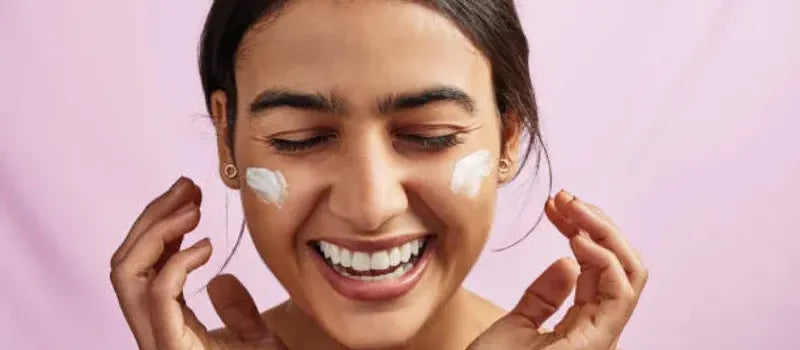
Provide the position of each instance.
(424, 143)
(284, 145)
(433, 143)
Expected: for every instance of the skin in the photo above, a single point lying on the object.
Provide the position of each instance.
(371, 180)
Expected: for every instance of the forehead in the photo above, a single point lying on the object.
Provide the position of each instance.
(359, 48)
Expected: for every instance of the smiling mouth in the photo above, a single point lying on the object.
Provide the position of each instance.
(390, 263)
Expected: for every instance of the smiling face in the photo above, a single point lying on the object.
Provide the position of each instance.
(370, 139)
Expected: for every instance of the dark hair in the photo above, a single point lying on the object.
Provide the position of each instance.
(493, 26)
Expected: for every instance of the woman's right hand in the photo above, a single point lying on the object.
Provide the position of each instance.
(148, 272)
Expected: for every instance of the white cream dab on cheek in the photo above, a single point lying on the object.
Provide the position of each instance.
(470, 171)
(269, 185)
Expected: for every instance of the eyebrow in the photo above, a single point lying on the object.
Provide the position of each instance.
(334, 104)
(441, 93)
(282, 97)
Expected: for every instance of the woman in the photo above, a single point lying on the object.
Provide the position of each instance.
(368, 139)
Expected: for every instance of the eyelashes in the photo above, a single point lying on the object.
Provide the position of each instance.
(422, 143)
(283, 145)
(434, 143)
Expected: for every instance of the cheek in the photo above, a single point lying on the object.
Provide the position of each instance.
(270, 231)
(458, 199)
(470, 173)
(273, 212)
(268, 185)
(277, 203)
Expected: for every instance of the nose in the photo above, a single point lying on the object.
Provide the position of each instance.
(368, 191)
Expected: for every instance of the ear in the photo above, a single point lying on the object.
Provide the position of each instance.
(219, 115)
(511, 133)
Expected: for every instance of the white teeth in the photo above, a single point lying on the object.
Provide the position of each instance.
(399, 271)
(405, 252)
(325, 246)
(380, 261)
(344, 258)
(361, 261)
(394, 256)
(334, 253)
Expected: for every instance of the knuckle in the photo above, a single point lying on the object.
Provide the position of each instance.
(117, 276)
(628, 293)
(542, 304)
(611, 257)
(114, 259)
(112, 276)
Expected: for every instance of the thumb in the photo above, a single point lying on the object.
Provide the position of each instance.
(236, 308)
(546, 294)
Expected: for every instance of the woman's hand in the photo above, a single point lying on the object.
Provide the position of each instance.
(148, 272)
(609, 275)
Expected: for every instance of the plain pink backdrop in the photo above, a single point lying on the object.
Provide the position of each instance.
(679, 118)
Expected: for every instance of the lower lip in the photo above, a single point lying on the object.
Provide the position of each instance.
(375, 290)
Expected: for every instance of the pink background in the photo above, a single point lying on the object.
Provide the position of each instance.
(679, 118)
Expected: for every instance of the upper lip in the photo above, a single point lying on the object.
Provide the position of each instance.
(372, 245)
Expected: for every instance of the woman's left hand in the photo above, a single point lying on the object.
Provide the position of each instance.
(609, 276)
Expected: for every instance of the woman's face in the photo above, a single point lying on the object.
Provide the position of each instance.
(367, 127)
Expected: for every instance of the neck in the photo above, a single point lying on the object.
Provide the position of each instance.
(453, 326)
(462, 319)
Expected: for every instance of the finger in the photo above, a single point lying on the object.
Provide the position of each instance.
(131, 276)
(585, 290)
(567, 228)
(152, 244)
(604, 233)
(140, 223)
(174, 325)
(546, 294)
(587, 280)
(614, 297)
(579, 337)
(568, 322)
(598, 211)
(182, 192)
(134, 308)
(236, 308)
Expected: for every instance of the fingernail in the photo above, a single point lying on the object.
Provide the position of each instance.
(572, 196)
(201, 243)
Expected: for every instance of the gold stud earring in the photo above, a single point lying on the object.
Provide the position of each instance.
(504, 166)
(231, 171)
